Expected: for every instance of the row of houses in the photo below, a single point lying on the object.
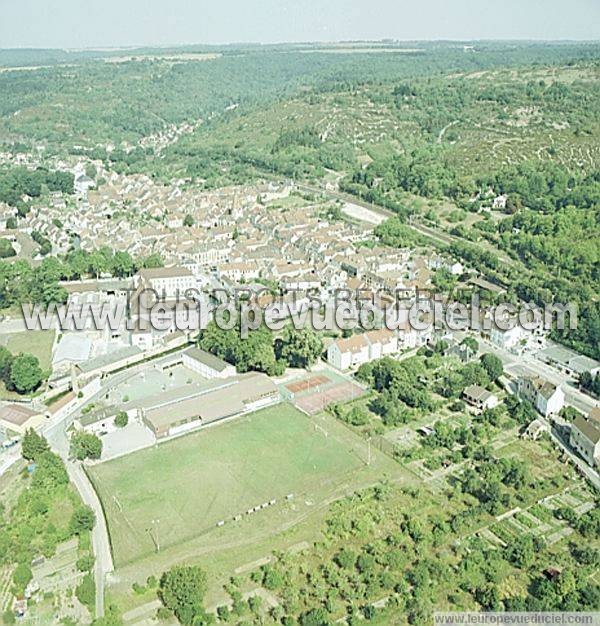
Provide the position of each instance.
(352, 352)
(359, 349)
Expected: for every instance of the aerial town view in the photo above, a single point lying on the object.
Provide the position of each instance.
(302, 330)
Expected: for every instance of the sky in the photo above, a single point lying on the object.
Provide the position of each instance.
(113, 23)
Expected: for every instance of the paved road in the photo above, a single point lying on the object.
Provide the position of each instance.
(526, 365)
(9, 458)
(55, 432)
(519, 365)
(100, 543)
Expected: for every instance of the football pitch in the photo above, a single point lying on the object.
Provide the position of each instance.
(181, 489)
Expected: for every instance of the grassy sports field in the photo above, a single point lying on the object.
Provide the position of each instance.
(189, 484)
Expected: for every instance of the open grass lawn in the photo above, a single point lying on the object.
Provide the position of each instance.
(191, 483)
(36, 342)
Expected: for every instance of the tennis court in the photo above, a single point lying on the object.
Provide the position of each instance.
(316, 402)
(308, 383)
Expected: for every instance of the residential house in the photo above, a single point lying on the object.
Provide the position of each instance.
(547, 398)
(585, 437)
(507, 338)
(480, 398)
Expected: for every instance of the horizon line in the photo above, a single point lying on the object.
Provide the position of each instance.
(385, 40)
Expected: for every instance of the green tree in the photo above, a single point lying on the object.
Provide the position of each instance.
(50, 473)
(123, 264)
(471, 343)
(85, 563)
(152, 261)
(26, 373)
(223, 613)
(188, 221)
(33, 445)
(300, 347)
(86, 592)
(492, 365)
(346, 558)
(6, 360)
(121, 419)
(182, 590)
(6, 249)
(82, 519)
(99, 263)
(111, 617)
(22, 577)
(86, 446)
(314, 617)
(357, 416)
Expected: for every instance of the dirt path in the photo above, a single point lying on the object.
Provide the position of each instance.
(443, 131)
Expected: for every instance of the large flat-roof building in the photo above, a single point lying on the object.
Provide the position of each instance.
(241, 394)
(569, 361)
(207, 364)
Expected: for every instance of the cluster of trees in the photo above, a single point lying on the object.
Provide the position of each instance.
(452, 382)
(396, 233)
(469, 439)
(261, 350)
(305, 137)
(554, 233)
(423, 171)
(21, 373)
(400, 386)
(486, 482)
(522, 411)
(36, 524)
(403, 386)
(21, 282)
(17, 182)
(387, 543)
(45, 245)
(545, 186)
